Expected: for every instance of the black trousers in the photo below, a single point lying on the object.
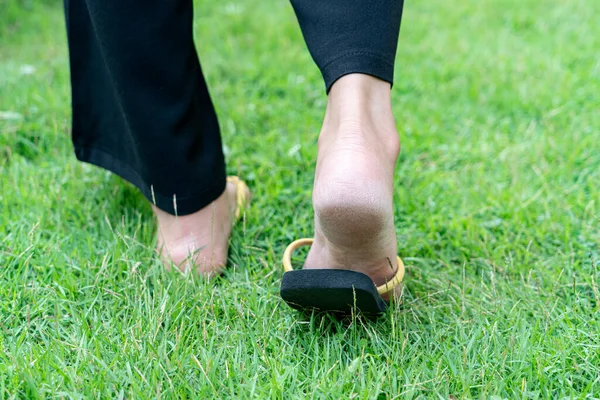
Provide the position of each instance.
(141, 107)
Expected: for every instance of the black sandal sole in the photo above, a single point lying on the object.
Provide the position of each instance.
(337, 291)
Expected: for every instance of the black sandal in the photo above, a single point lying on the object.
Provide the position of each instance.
(338, 291)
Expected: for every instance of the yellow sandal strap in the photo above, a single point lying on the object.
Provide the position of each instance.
(383, 289)
(241, 195)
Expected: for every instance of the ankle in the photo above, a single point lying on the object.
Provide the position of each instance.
(358, 96)
(359, 107)
(360, 87)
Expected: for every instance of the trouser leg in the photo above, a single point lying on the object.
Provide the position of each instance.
(141, 107)
(351, 36)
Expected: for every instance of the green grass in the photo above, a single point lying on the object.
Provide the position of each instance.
(497, 211)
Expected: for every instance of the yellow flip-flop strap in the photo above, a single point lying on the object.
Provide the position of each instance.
(241, 195)
(383, 289)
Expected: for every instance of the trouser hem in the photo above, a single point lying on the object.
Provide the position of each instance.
(358, 62)
(170, 203)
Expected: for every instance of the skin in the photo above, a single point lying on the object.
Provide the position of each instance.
(352, 195)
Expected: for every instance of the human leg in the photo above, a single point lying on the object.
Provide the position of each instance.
(354, 43)
(142, 110)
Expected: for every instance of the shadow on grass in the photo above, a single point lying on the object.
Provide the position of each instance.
(124, 202)
(330, 324)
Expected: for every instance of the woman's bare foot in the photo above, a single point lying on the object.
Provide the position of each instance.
(198, 241)
(354, 179)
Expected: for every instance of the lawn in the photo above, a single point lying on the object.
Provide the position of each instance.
(497, 213)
